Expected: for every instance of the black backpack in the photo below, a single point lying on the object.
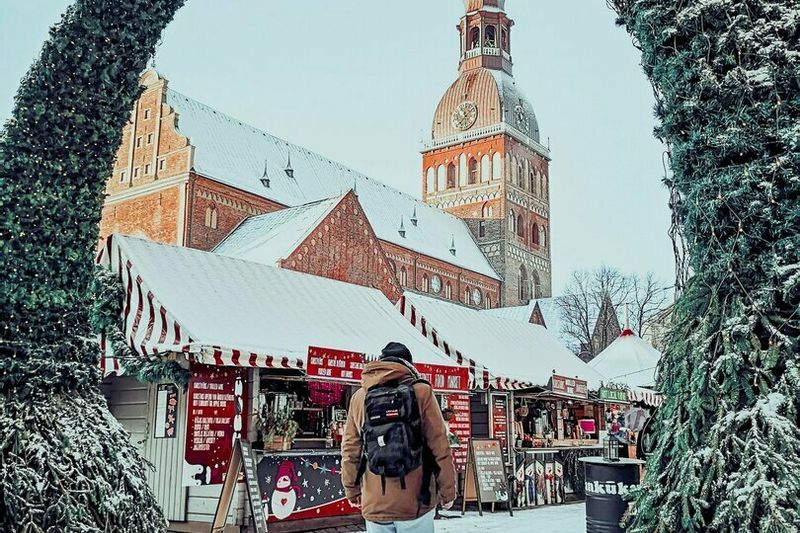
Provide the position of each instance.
(392, 440)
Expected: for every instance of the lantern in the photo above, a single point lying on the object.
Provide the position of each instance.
(611, 449)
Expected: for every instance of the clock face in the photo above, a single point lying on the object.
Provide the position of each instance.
(465, 115)
(522, 119)
(436, 284)
(477, 298)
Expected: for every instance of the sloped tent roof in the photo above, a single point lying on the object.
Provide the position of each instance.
(271, 237)
(629, 359)
(522, 313)
(231, 312)
(518, 313)
(515, 354)
(233, 152)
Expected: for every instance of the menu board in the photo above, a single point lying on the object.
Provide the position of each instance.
(216, 417)
(489, 471)
(335, 365)
(500, 422)
(460, 426)
(444, 378)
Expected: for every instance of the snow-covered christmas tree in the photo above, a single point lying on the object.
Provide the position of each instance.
(65, 463)
(727, 80)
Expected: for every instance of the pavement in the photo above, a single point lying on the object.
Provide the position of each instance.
(567, 518)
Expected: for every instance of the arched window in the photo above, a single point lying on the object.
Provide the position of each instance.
(522, 282)
(466, 295)
(473, 171)
(544, 186)
(512, 222)
(475, 38)
(543, 238)
(403, 277)
(448, 291)
(520, 226)
(430, 180)
(451, 176)
(535, 234)
(491, 37)
(441, 178)
(486, 210)
(211, 217)
(534, 186)
(393, 266)
(497, 166)
(514, 171)
(509, 167)
(521, 173)
(425, 283)
(487, 300)
(463, 171)
(486, 168)
(504, 39)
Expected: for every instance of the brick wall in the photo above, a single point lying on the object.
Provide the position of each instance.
(155, 216)
(344, 247)
(229, 207)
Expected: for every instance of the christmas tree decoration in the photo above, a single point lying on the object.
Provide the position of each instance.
(65, 463)
(726, 75)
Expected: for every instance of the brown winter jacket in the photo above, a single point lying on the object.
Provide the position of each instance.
(397, 504)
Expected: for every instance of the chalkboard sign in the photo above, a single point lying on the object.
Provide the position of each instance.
(242, 457)
(486, 479)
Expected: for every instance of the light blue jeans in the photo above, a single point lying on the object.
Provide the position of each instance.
(423, 524)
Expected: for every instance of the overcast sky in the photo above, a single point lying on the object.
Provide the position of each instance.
(359, 80)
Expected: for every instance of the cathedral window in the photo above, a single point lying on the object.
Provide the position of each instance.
(473, 172)
(504, 39)
(463, 171)
(448, 291)
(475, 38)
(491, 37)
(425, 283)
(487, 300)
(403, 277)
(523, 284)
(441, 178)
(467, 292)
(481, 229)
(497, 166)
(486, 168)
(486, 210)
(430, 181)
(211, 217)
(451, 176)
(535, 234)
(543, 238)
(512, 222)
(520, 227)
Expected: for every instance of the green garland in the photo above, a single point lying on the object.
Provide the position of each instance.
(65, 463)
(727, 80)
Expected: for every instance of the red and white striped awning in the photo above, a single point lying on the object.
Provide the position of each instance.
(480, 376)
(645, 396)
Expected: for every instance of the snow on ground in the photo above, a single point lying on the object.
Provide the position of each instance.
(569, 518)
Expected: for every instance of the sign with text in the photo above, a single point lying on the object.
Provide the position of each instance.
(460, 426)
(500, 422)
(335, 365)
(216, 418)
(486, 475)
(444, 378)
(242, 460)
(166, 411)
(572, 387)
(613, 395)
(339, 365)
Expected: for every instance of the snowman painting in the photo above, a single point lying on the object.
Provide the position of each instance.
(284, 498)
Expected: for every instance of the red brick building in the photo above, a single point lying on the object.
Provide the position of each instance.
(187, 174)
(485, 162)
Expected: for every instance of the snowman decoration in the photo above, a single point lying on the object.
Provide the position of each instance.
(284, 498)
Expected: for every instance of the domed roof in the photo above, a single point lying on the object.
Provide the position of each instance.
(497, 98)
(474, 5)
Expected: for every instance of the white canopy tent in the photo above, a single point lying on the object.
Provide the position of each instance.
(232, 312)
(629, 360)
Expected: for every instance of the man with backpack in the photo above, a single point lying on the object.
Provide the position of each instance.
(396, 461)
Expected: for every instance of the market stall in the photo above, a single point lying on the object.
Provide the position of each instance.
(274, 357)
(530, 392)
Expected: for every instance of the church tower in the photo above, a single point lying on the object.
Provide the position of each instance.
(485, 162)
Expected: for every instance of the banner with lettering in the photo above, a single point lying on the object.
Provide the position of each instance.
(216, 418)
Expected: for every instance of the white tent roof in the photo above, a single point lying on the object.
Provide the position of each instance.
(233, 152)
(508, 348)
(629, 359)
(271, 237)
(232, 310)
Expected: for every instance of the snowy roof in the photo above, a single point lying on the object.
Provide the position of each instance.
(629, 359)
(519, 313)
(508, 348)
(271, 237)
(222, 303)
(232, 152)
(512, 97)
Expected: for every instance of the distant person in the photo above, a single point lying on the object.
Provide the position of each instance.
(396, 462)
